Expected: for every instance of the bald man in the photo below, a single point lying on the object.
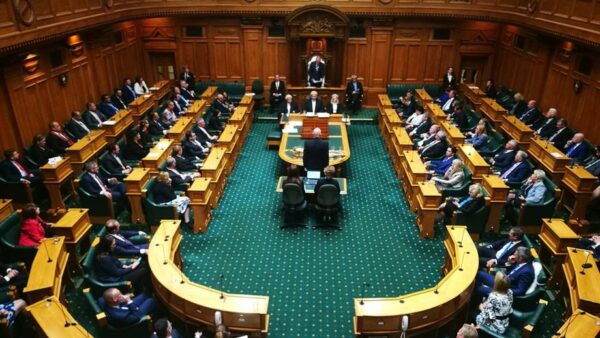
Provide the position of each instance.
(122, 310)
(576, 149)
(316, 153)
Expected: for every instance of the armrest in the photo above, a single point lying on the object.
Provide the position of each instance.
(91, 301)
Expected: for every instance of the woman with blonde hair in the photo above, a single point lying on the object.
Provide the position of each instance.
(334, 106)
(165, 195)
(454, 176)
(479, 139)
(496, 310)
(467, 205)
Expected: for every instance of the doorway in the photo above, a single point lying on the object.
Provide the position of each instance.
(163, 66)
(473, 69)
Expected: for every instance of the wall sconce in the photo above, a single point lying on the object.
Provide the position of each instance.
(63, 79)
(31, 63)
(577, 86)
(76, 45)
(566, 51)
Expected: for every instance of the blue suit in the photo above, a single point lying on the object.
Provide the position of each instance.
(440, 166)
(109, 269)
(128, 94)
(125, 247)
(108, 108)
(518, 174)
(534, 193)
(128, 314)
(479, 142)
(520, 280)
(577, 154)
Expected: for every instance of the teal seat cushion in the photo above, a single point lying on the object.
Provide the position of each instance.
(274, 136)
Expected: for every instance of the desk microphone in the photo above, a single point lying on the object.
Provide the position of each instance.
(585, 264)
(65, 317)
(557, 334)
(461, 262)
(221, 277)
(404, 326)
(461, 238)
(47, 252)
(164, 255)
(181, 275)
(362, 293)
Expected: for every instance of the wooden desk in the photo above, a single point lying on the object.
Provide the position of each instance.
(428, 201)
(157, 155)
(472, 93)
(47, 270)
(552, 160)
(87, 148)
(247, 101)
(423, 97)
(285, 118)
(50, 316)
(135, 182)
(75, 227)
(200, 196)
(383, 102)
(178, 130)
(453, 134)
(556, 236)
(240, 118)
(473, 161)
(493, 111)
(579, 185)
(55, 176)
(580, 324)
(401, 143)
(230, 141)
(301, 93)
(209, 93)
(582, 291)
(430, 308)
(6, 208)
(117, 125)
(497, 192)
(213, 168)
(517, 130)
(196, 303)
(435, 112)
(197, 109)
(140, 106)
(413, 172)
(390, 120)
(160, 89)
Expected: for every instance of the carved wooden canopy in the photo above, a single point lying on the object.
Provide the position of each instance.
(317, 21)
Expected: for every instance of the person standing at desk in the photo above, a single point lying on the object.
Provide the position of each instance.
(316, 152)
(277, 92)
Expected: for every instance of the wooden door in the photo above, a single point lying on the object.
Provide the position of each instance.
(473, 69)
(163, 66)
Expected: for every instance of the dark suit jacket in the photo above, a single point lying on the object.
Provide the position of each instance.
(586, 243)
(128, 94)
(221, 106)
(57, 144)
(329, 108)
(192, 149)
(315, 74)
(201, 136)
(423, 127)
(293, 108)
(318, 106)
(118, 102)
(75, 129)
(530, 116)
(350, 89)
(184, 163)
(518, 174)
(214, 123)
(108, 108)
(88, 184)
(9, 172)
(579, 154)
(518, 108)
(41, 155)
(127, 247)
(461, 121)
(547, 127)
(134, 152)
(521, 279)
(472, 206)
(491, 92)
(446, 83)
(190, 79)
(594, 167)
(156, 128)
(129, 314)
(316, 155)
(561, 137)
(90, 121)
(499, 244)
(187, 94)
(110, 164)
(163, 192)
(504, 159)
(276, 100)
(109, 268)
(436, 150)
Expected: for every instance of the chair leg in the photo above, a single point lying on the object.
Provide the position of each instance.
(327, 219)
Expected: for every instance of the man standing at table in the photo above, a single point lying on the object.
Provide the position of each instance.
(277, 93)
(316, 153)
(316, 73)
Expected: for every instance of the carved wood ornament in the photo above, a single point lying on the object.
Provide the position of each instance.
(317, 21)
(24, 10)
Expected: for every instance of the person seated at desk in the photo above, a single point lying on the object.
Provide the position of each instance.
(34, 229)
(106, 106)
(516, 172)
(532, 192)
(140, 86)
(128, 93)
(123, 244)
(449, 80)
(480, 139)
(214, 121)
(435, 148)
(182, 163)
(426, 137)
(490, 89)
(334, 106)
(593, 166)
(354, 94)
(531, 114)
(113, 163)
(316, 73)
(519, 106)
(156, 127)
(293, 177)
(576, 149)
(415, 119)
(222, 106)
(186, 91)
(546, 127)
(316, 152)
(117, 99)
(109, 269)
(122, 311)
(203, 136)
(439, 167)
(187, 76)
(496, 309)
(76, 127)
(459, 117)
(165, 195)
(520, 274)
(313, 104)
(134, 149)
(592, 244)
(453, 177)
(178, 108)
(169, 113)
(448, 106)
(329, 171)
(562, 135)
(179, 179)
(183, 102)
(506, 157)
(468, 205)
(192, 147)
(422, 127)
(164, 329)
(497, 253)
(467, 331)
(277, 92)
(145, 135)
(39, 152)
(95, 184)
(92, 118)
(407, 105)
(56, 139)
(13, 277)
(12, 170)
(287, 107)
(10, 309)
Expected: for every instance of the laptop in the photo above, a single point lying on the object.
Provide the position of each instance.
(312, 177)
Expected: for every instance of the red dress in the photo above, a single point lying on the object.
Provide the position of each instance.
(32, 232)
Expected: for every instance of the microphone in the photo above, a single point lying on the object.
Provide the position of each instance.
(47, 252)
(62, 309)
(181, 275)
(585, 264)
(164, 255)
(165, 233)
(557, 334)
(461, 262)
(461, 238)
(362, 293)
(221, 277)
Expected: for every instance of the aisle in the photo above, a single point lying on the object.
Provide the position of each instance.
(311, 278)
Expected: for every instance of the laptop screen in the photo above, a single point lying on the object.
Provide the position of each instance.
(313, 174)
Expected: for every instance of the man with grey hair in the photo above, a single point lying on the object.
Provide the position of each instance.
(436, 148)
(576, 149)
(532, 191)
(316, 153)
(178, 179)
(505, 157)
(498, 252)
(467, 331)
(546, 127)
(519, 270)
(428, 137)
(95, 185)
(518, 171)
(313, 104)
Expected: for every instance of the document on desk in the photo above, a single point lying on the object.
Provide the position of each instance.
(557, 155)
(109, 123)
(295, 123)
(289, 130)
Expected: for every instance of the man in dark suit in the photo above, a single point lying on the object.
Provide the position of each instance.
(592, 244)
(92, 118)
(316, 73)
(517, 171)
(561, 135)
(435, 148)
(187, 92)
(449, 81)
(128, 93)
(277, 93)
(354, 94)
(95, 184)
(407, 105)
(76, 127)
(117, 99)
(127, 242)
(520, 273)
(56, 139)
(187, 76)
(546, 127)
(505, 157)
(14, 277)
(12, 170)
(439, 167)
(155, 127)
(182, 163)
(287, 107)
(192, 147)
(593, 166)
(531, 114)
(316, 153)
(448, 106)
(106, 106)
(202, 135)
(519, 107)
(222, 106)
(179, 179)
(497, 253)
(122, 311)
(113, 163)
(576, 149)
(422, 127)
(313, 104)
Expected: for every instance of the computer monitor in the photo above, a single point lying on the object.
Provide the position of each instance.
(313, 175)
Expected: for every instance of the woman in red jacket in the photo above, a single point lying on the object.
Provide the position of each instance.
(34, 227)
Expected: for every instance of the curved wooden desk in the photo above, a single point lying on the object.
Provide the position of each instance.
(339, 148)
(429, 309)
(193, 302)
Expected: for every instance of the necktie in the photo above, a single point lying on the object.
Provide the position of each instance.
(64, 138)
(96, 117)
(24, 172)
(314, 106)
(510, 170)
(504, 250)
(99, 181)
(572, 149)
(119, 161)
(555, 134)
(465, 201)
(524, 116)
(277, 85)
(355, 86)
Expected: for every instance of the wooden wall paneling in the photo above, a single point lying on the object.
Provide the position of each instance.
(7, 19)
(252, 37)
(356, 60)
(381, 38)
(275, 59)
(225, 48)
(9, 136)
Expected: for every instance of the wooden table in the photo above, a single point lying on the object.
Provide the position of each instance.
(552, 160)
(580, 324)
(413, 172)
(581, 290)
(209, 93)
(87, 148)
(55, 176)
(214, 168)
(140, 106)
(428, 309)
(135, 182)
(493, 111)
(556, 237)
(428, 201)
(579, 185)
(453, 134)
(157, 155)
(475, 162)
(160, 89)
(401, 143)
(47, 270)
(197, 109)
(178, 130)
(497, 192)
(75, 227)
(117, 125)
(6, 208)
(423, 96)
(389, 120)
(50, 315)
(435, 112)
(383, 102)
(200, 196)
(230, 141)
(196, 303)
(242, 120)
(247, 101)
(517, 130)
(301, 93)
(472, 93)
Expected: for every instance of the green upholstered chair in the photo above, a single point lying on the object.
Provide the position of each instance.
(396, 90)
(20, 193)
(274, 138)
(258, 89)
(530, 216)
(463, 189)
(154, 212)
(10, 229)
(475, 222)
(143, 328)
(294, 204)
(100, 207)
(521, 324)
(495, 144)
(328, 207)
